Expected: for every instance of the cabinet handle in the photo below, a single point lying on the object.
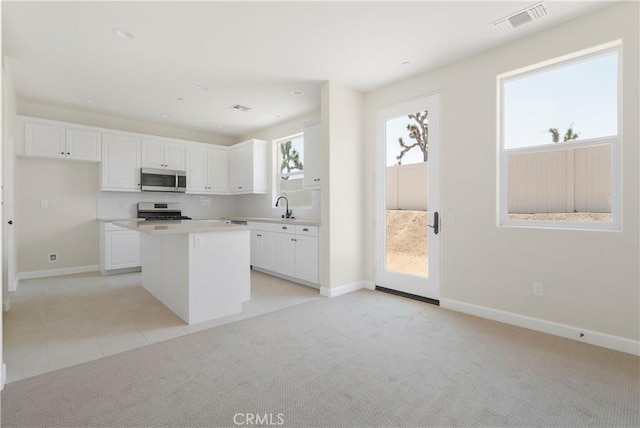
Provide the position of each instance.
(69, 153)
(259, 235)
(62, 153)
(305, 230)
(284, 227)
(239, 187)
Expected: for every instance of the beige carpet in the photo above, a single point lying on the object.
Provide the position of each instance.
(364, 359)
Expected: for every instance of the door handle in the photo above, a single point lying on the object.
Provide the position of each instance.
(436, 223)
(10, 222)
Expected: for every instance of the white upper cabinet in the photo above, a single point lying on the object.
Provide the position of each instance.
(248, 167)
(120, 168)
(44, 140)
(218, 169)
(311, 160)
(58, 142)
(197, 179)
(207, 169)
(84, 145)
(159, 154)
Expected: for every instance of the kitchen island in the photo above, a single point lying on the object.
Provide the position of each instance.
(199, 269)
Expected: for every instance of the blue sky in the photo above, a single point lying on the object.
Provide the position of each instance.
(583, 94)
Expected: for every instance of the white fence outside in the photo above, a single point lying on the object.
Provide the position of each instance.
(560, 181)
(407, 187)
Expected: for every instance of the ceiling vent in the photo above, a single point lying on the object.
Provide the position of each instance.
(522, 17)
(240, 107)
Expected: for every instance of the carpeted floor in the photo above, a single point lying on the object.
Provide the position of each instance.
(358, 360)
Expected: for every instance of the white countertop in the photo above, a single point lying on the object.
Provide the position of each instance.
(298, 221)
(180, 226)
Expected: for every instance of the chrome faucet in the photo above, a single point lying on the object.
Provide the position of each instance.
(287, 213)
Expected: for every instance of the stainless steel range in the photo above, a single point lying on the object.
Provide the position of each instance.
(161, 211)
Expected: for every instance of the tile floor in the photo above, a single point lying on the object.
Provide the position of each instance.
(63, 321)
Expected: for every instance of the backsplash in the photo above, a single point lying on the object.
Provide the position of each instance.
(123, 205)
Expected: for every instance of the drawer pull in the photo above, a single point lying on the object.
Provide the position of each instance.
(284, 227)
(305, 230)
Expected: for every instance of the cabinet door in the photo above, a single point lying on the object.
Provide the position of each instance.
(218, 170)
(44, 140)
(307, 258)
(174, 156)
(269, 251)
(152, 153)
(197, 181)
(312, 156)
(241, 166)
(83, 145)
(122, 250)
(120, 167)
(286, 254)
(256, 248)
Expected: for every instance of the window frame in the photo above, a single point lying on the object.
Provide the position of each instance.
(277, 175)
(613, 141)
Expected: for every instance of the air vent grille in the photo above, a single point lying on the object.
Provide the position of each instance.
(522, 17)
(240, 107)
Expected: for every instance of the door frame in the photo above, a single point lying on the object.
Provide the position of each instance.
(429, 287)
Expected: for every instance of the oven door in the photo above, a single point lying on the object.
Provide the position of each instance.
(162, 180)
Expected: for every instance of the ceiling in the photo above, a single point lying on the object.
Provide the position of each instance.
(189, 62)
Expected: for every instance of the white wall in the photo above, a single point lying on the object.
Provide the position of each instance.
(68, 225)
(590, 278)
(262, 205)
(343, 206)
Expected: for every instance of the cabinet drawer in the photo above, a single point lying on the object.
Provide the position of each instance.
(286, 228)
(307, 230)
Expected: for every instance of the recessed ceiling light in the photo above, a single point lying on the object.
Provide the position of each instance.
(166, 116)
(297, 92)
(123, 34)
(406, 63)
(201, 88)
(90, 102)
(278, 116)
(180, 99)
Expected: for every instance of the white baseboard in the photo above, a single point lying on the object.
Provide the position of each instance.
(6, 305)
(3, 376)
(570, 332)
(56, 272)
(346, 288)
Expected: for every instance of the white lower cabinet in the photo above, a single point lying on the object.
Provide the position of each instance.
(263, 249)
(119, 248)
(287, 250)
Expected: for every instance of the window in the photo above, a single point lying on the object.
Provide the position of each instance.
(289, 156)
(560, 144)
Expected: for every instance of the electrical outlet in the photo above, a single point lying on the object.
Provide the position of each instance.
(538, 289)
(198, 241)
(44, 203)
(53, 257)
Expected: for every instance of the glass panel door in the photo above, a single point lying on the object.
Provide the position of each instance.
(407, 197)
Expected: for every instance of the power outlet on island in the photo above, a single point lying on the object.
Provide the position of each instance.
(198, 241)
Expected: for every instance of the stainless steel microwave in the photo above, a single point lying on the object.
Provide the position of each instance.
(162, 180)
